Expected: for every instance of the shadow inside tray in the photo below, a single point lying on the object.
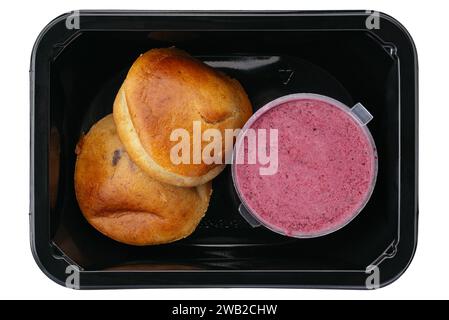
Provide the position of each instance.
(350, 67)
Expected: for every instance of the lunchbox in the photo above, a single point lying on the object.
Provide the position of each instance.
(79, 61)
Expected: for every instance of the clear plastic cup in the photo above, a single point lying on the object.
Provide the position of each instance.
(358, 114)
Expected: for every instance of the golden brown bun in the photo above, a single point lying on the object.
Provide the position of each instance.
(166, 89)
(123, 202)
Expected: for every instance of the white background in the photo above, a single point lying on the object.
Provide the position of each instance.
(21, 22)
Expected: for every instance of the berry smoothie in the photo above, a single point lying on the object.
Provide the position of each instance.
(327, 165)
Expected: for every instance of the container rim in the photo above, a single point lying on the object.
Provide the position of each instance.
(392, 32)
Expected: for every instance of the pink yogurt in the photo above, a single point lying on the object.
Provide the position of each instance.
(327, 166)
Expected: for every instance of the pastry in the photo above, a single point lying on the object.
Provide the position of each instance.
(121, 201)
(165, 90)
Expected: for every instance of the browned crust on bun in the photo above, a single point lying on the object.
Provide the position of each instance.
(167, 89)
(123, 202)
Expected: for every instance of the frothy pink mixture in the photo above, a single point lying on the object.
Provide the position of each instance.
(326, 166)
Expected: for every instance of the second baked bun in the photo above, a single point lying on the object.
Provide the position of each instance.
(167, 89)
(123, 202)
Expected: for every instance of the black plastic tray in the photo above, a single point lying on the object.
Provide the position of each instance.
(75, 74)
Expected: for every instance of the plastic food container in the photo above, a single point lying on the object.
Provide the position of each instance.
(286, 185)
(81, 58)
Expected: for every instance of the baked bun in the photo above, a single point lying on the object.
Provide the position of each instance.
(167, 89)
(124, 203)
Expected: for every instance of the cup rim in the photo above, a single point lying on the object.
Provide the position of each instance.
(280, 101)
